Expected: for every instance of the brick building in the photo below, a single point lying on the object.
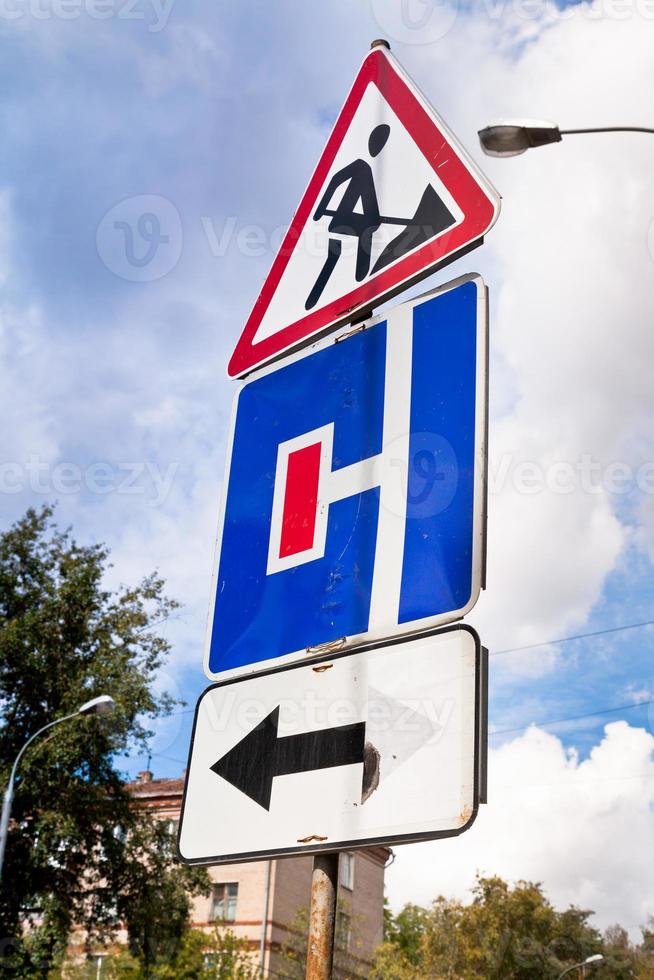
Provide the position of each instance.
(260, 900)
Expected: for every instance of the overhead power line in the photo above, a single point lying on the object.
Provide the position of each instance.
(543, 724)
(533, 646)
(569, 639)
(562, 721)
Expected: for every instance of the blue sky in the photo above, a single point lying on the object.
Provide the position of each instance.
(213, 116)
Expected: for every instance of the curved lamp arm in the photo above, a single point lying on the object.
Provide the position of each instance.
(9, 792)
(569, 970)
(29, 741)
(102, 705)
(608, 129)
(591, 961)
(514, 136)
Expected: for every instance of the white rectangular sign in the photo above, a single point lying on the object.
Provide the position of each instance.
(382, 746)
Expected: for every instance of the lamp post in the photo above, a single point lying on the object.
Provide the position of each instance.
(515, 136)
(102, 705)
(596, 960)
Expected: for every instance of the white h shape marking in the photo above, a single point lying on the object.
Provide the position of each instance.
(306, 484)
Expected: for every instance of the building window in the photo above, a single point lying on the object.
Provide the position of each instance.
(343, 930)
(223, 902)
(347, 870)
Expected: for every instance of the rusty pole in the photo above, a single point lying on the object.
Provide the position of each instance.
(322, 916)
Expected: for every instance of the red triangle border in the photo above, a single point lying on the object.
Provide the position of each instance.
(480, 212)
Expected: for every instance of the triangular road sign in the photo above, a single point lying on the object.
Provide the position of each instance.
(393, 197)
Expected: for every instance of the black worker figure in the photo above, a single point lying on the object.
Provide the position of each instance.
(358, 215)
(361, 224)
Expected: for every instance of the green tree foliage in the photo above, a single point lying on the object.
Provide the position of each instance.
(648, 937)
(217, 955)
(292, 962)
(505, 933)
(152, 897)
(224, 956)
(646, 953)
(621, 957)
(79, 852)
(406, 930)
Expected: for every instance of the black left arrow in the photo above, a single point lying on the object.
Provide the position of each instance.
(252, 764)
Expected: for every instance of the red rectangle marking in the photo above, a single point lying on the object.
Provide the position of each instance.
(300, 500)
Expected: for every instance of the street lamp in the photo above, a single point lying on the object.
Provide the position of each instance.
(102, 705)
(515, 136)
(596, 960)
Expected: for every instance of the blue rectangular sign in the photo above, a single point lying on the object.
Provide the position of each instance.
(354, 504)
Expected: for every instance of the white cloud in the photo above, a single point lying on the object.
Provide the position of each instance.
(584, 829)
(548, 552)
(638, 695)
(141, 376)
(572, 298)
(24, 360)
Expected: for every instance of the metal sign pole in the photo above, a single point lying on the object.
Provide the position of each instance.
(322, 916)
